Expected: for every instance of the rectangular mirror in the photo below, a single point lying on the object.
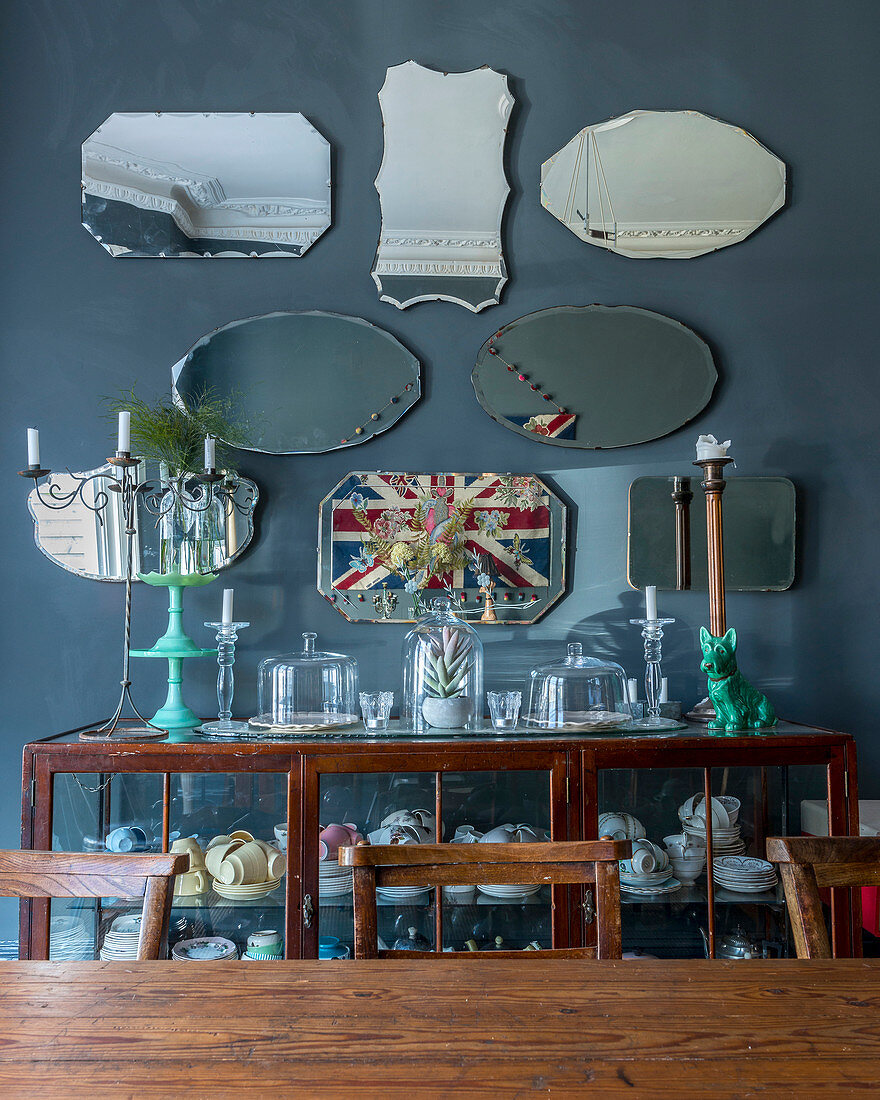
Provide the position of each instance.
(667, 533)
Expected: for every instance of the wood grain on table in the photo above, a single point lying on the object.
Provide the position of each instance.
(481, 1027)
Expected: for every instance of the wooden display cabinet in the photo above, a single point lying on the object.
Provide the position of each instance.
(75, 793)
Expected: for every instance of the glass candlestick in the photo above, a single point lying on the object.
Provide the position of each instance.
(652, 633)
(227, 636)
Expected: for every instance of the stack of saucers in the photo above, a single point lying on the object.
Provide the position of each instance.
(246, 891)
(334, 881)
(649, 882)
(205, 949)
(505, 890)
(726, 838)
(401, 893)
(70, 939)
(744, 874)
(121, 941)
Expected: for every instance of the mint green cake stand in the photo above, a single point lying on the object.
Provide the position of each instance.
(175, 646)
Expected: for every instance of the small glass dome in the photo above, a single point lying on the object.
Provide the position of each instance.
(442, 672)
(578, 693)
(307, 691)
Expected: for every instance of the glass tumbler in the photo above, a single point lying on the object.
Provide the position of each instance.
(376, 708)
(504, 708)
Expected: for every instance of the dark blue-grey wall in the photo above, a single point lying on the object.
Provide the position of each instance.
(790, 315)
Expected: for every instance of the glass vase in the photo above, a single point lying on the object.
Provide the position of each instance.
(442, 672)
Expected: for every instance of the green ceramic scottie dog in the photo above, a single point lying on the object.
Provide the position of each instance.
(738, 705)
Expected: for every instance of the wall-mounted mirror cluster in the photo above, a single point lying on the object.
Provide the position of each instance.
(676, 184)
(442, 186)
(207, 184)
(304, 382)
(88, 537)
(494, 542)
(594, 376)
(667, 533)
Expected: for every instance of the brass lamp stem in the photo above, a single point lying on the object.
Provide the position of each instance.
(714, 485)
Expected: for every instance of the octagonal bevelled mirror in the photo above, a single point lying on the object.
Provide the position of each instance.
(594, 376)
(673, 184)
(206, 184)
(303, 383)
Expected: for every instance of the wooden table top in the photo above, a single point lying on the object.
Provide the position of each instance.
(403, 1029)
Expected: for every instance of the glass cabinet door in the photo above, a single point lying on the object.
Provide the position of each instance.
(513, 804)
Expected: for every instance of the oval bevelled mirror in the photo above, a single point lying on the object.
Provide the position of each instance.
(671, 184)
(303, 382)
(594, 376)
(79, 524)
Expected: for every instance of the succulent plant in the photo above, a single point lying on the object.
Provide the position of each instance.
(449, 662)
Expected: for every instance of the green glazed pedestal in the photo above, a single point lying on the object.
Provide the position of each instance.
(175, 646)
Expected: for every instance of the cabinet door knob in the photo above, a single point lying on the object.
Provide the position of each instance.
(308, 911)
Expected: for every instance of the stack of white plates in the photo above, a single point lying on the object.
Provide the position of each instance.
(507, 890)
(121, 941)
(334, 881)
(649, 882)
(204, 949)
(247, 891)
(744, 874)
(70, 939)
(401, 893)
(725, 841)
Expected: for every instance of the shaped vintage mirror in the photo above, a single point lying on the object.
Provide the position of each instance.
(197, 184)
(495, 543)
(594, 376)
(304, 382)
(442, 186)
(667, 533)
(663, 183)
(87, 536)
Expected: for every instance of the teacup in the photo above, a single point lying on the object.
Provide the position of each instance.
(216, 853)
(466, 834)
(647, 857)
(187, 845)
(277, 863)
(265, 939)
(687, 870)
(501, 834)
(241, 834)
(221, 838)
(281, 835)
(192, 882)
(400, 834)
(247, 864)
(332, 837)
(424, 819)
(613, 825)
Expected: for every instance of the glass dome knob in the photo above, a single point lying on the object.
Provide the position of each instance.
(309, 641)
(575, 649)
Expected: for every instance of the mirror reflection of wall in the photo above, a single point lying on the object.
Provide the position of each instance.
(667, 533)
(206, 184)
(76, 538)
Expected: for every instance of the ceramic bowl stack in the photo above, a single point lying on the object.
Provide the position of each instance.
(621, 826)
(404, 827)
(121, 940)
(243, 868)
(744, 874)
(648, 871)
(726, 839)
(70, 939)
(687, 856)
(204, 949)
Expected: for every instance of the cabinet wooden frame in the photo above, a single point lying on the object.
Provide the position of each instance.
(572, 762)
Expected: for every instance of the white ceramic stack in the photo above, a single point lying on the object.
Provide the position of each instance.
(404, 827)
(726, 838)
(687, 856)
(121, 940)
(70, 939)
(512, 834)
(621, 826)
(204, 949)
(335, 881)
(744, 874)
(648, 870)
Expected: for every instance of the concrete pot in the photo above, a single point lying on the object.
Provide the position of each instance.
(448, 714)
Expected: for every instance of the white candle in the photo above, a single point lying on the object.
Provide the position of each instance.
(33, 437)
(664, 689)
(227, 606)
(633, 686)
(210, 462)
(123, 440)
(651, 601)
(709, 447)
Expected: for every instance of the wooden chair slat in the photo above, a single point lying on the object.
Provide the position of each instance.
(565, 851)
(90, 863)
(474, 874)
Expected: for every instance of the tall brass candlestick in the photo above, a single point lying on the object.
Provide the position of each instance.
(682, 497)
(714, 485)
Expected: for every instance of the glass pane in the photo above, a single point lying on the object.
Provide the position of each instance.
(489, 917)
(8, 929)
(112, 812)
(368, 805)
(663, 915)
(248, 894)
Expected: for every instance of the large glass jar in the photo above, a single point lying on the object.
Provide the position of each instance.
(307, 690)
(191, 528)
(578, 692)
(442, 672)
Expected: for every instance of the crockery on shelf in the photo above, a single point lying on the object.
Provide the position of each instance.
(205, 949)
(281, 835)
(246, 891)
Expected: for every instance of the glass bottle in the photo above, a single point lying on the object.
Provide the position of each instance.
(442, 672)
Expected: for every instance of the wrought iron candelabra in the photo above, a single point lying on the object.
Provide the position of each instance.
(198, 492)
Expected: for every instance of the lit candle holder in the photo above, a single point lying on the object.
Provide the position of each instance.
(210, 461)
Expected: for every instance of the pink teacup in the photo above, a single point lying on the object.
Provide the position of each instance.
(332, 837)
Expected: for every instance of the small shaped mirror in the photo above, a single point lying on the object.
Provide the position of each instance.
(663, 183)
(594, 376)
(79, 525)
(196, 184)
(442, 186)
(667, 533)
(303, 382)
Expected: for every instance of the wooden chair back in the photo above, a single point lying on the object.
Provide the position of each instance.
(808, 864)
(592, 863)
(84, 875)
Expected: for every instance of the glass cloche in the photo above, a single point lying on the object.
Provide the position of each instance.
(578, 693)
(442, 672)
(305, 691)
